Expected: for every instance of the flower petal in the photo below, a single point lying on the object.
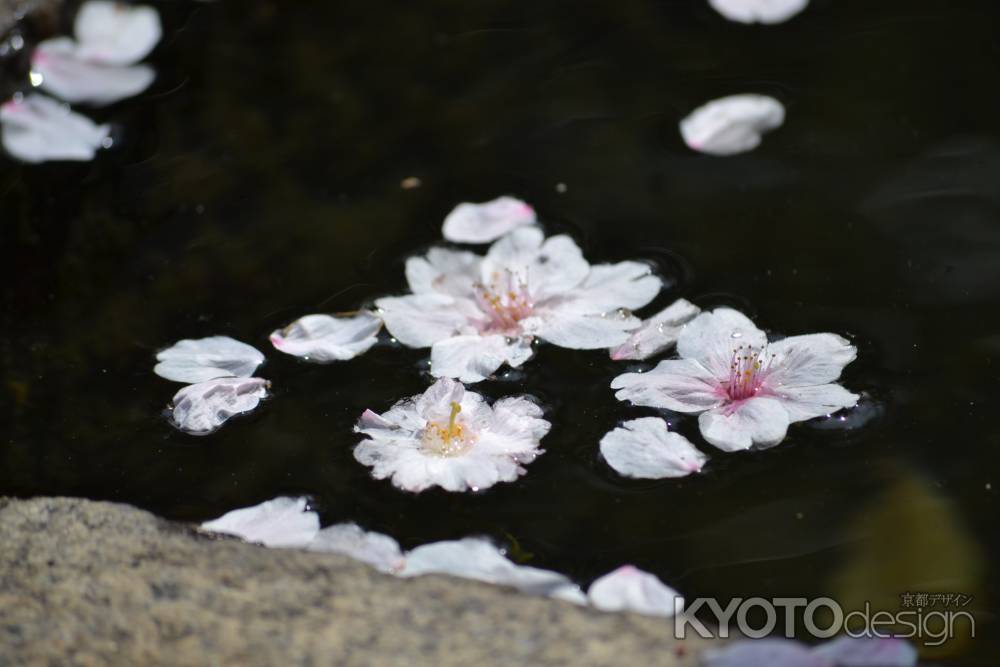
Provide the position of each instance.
(116, 33)
(623, 285)
(328, 338)
(763, 652)
(473, 358)
(515, 429)
(549, 267)
(808, 360)
(644, 448)
(282, 522)
(451, 272)
(566, 325)
(482, 223)
(36, 128)
(630, 589)
(201, 408)
(420, 320)
(802, 403)
(206, 359)
(656, 333)
(478, 559)
(731, 125)
(735, 427)
(712, 337)
(868, 652)
(60, 70)
(378, 550)
(758, 11)
(682, 385)
(436, 401)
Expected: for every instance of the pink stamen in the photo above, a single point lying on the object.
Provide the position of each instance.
(747, 371)
(504, 302)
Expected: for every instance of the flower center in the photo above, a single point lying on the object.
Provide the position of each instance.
(747, 372)
(505, 301)
(447, 438)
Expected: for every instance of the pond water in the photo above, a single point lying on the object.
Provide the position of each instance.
(259, 179)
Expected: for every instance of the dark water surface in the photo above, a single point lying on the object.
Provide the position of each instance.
(259, 180)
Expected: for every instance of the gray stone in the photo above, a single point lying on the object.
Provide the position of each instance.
(88, 583)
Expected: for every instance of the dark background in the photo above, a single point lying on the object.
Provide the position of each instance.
(259, 180)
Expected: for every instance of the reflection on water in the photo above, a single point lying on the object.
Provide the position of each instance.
(252, 185)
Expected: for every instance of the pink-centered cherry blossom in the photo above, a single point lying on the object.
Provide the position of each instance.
(746, 389)
(477, 313)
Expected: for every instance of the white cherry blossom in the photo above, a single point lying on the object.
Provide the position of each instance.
(731, 125)
(630, 589)
(36, 128)
(325, 338)
(746, 390)
(656, 333)
(758, 11)
(486, 222)
(477, 313)
(281, 522)
(380, 551)
(452, 438)
(198, 360)
(645, 449)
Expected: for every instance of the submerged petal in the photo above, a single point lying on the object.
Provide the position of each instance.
(758, 11)
(486, 222)
(763, 652)
(116, 33)
(378, 550)
(868, 652)
(36, 128)
(630, 589)
(60, 70)
(473, 357)
(645, 449)
(809, 360)
(327, 337)
(683, 385)
(201, 408)
(281, 522)
(656, 333)
(732, 124)
(739, 426)
(206, 359)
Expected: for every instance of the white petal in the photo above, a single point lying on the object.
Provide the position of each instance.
(60, 70)
(452, 272)
(282, 522)
(683, 385)
(549, 267)
(473, 358)
(478, 559)
(763, 653)
(37, 128)
(645, 449)
(758, 11)
(630, 589)
(515, 429)
(328, 338)
(207, 358)
(803, 403)
(612, 286)
(732, 124)
(116, 33)
(201, 408)
(808, 360)
(486, 222)
(376, 549)
(420, 320)
(868, 652)
(713, 337)
(755, 421)
(565, 325)
(436, 400)
(656, 333)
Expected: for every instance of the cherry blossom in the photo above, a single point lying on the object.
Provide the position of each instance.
(36, 128)
(645, 449)
(197, 360)
(746, 389)
(486, 222)
(731, 125)
(281, 522)
(656, 333)
(325, 338)
(630, 589)
(758, 11)
(477, 313)
(452, 438)
(201, 408)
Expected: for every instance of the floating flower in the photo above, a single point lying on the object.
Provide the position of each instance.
(450, 437)
(98, 66)
(281, 522)
(486, 222)
(328, 338)
(656, 333)
(746, 389)
(201, 408)
(732, 124)
(36, 128)
(478, 559)
(841, 652)
(630, 589)
(206, 359)
(477, 313)
(758, 11)
(378, 550)
(645, 449)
